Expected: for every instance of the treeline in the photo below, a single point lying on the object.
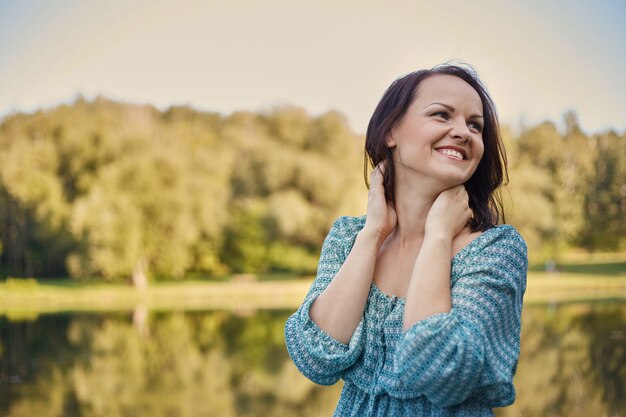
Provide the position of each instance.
(115, 190)
(112, 190)
(567, 190)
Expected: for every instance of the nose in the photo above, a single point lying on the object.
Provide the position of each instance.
(460, 131)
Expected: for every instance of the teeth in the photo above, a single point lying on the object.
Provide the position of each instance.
(452, 152)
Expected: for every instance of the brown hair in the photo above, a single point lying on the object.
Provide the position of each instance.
(491, 172)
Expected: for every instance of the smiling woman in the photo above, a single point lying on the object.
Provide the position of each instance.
(417, 305)
(430, 129)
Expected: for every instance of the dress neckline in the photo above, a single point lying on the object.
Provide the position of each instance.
(454, 259)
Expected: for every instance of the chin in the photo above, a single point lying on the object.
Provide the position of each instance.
(451, 181)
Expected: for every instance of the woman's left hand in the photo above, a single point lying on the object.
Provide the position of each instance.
(449, 213)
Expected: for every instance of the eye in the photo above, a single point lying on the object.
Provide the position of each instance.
(476, 126)
(441, 114)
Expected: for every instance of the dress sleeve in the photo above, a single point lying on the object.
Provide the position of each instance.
(472, 351)
(320, 357)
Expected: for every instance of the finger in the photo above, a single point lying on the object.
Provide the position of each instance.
(462, 192)
(456, 190)
(378, 172)
(383, 166)
(375, 173)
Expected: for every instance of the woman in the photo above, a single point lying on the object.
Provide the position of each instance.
(417, 305)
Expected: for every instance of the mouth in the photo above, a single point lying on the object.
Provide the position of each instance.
(453, 153)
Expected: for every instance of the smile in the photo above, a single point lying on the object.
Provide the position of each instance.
(451, 153)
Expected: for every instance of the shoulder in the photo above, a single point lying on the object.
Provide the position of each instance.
(347, 226)
(501, 237)
(498, 256)
(497, 246)
(342, 235)
(503, 247)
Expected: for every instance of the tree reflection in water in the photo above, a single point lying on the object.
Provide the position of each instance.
(572, 362)
(220, 363)
(168, 364)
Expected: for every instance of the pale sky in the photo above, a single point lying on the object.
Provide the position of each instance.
(537, 58)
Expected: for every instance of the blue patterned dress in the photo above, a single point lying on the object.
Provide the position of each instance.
(459, 363)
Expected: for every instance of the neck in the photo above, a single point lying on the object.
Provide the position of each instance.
(412, 210)
(414, 196)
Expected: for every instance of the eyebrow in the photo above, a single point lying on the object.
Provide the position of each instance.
(473, 116)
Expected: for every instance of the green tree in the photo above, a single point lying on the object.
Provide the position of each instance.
(605, 202)
(562, 166)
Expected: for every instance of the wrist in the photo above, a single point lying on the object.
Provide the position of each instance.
(438, 236)
(436, 245)
(371, 235)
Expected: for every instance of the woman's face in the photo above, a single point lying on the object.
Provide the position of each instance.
(440, 136)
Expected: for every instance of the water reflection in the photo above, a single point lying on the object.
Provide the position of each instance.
(573, 361)
(222, 363)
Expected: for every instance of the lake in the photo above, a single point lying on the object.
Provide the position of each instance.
(234, 363)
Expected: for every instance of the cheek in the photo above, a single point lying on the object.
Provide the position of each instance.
(479, 149)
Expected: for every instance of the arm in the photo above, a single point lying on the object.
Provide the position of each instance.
(472, 350)
(319, 356)
(324, 337)
(429, 289)
(339, 308)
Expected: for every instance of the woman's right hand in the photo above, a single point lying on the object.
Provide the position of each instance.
(381, 217)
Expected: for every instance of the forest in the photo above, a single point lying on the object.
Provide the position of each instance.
(106, 190)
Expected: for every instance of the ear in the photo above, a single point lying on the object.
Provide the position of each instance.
(390, 141)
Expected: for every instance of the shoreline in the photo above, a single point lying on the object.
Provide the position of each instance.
(37, 297)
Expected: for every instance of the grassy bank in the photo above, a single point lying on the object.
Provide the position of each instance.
(25, 297)
(564, 286)
(43, 296)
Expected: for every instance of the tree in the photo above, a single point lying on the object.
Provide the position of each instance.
(605, 203)
(561, 165)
